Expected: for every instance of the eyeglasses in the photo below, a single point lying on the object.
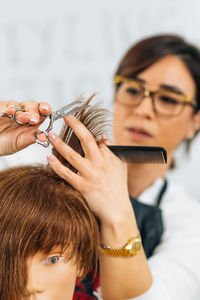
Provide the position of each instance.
(166, 103)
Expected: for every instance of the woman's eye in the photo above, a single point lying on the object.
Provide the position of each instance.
(168, 100)
(52, 260)
(133, 91)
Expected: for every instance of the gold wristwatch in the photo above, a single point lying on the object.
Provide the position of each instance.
(131, 248)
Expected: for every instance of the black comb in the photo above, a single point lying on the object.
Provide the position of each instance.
(140, 154)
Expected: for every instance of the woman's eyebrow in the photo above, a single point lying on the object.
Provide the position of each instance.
(138, 79)
(171, 88)
(168, 87)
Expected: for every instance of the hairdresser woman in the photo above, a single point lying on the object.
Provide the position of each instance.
(159, 106)
(156, 102)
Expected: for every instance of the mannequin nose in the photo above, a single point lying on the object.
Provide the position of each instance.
(34, 288)
(36, 283)
(34, 291)
(35, 297)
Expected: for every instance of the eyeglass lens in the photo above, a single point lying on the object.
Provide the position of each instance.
(165, 102)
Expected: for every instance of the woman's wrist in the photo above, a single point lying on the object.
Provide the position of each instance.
(119, 230)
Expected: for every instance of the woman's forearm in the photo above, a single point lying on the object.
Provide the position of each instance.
(123, 277)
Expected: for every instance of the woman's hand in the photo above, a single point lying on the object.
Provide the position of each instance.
(101, 177)
(15, 137)
(102, 180)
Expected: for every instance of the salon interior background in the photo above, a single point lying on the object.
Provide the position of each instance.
(56, 50)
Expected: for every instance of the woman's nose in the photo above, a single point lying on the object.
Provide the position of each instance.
(145, 108)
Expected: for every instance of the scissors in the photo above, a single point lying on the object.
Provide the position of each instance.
(55, 115)
(13, 116)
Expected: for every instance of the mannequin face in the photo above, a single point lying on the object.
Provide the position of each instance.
(51, 277)
(141, 126)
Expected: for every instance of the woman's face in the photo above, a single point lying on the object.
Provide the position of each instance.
(141, 125)
(50, 277)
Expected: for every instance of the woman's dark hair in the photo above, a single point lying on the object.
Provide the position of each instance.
(148, 51)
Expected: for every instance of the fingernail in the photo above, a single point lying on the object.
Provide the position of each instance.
(8, 107)
(104, 137)
(34, 119)
(70, 116)
(52, 135)
(50, 156)
(45, 107)
(26, 113)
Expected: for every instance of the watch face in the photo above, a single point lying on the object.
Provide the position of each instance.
(134, 246)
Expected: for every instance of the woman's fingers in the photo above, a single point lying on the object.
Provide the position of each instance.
(7, 107)
(45, 108)
(74, 179)
(23, 117)
(74, 158)
(25, 137)
(30, 114)
(85, 137)
(33, 112)
(13, 136)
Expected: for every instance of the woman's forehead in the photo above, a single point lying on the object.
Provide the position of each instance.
(171, 71)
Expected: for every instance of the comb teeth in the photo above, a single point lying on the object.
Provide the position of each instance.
(140, 154)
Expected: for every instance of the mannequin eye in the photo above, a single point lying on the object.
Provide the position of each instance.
(52, 260)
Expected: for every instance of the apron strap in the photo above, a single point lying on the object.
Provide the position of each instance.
(162, 191)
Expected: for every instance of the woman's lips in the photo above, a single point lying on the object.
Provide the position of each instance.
(139, 133)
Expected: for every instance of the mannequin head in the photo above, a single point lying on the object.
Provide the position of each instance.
(48, 235)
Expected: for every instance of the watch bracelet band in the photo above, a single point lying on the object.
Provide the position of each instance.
(126, 250)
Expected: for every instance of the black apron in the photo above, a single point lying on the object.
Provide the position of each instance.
(150, 225)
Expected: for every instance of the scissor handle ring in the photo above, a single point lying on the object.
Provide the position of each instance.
(4, 115)
(44, 144)
(13, 117)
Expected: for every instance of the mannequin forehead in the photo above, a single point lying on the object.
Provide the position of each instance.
(169, 70)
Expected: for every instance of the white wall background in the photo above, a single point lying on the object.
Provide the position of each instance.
(55, 50)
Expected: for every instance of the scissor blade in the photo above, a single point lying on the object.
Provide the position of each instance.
(64, 111)
(76, 109)
(60, 113)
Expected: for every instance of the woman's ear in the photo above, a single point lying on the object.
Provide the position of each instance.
(197, 122)
(195, 126)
